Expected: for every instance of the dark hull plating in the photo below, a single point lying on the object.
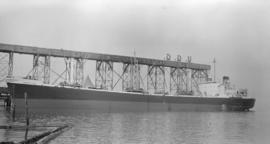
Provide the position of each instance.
(75, 98)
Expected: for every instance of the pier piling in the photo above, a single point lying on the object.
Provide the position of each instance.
(26, 116)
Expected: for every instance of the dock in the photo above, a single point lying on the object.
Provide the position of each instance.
(20, 133)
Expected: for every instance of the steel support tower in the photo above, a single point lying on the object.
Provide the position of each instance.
(10, 64)
(131, 77)
(104, 75)
(78, 72)
(41, 68)
(156, 79)
(68, 78)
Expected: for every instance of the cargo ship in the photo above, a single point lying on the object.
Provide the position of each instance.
(213, 96)
(190, 87)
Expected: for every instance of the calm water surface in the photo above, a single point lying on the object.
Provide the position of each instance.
(151, 127)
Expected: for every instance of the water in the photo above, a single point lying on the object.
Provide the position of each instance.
(151, 127)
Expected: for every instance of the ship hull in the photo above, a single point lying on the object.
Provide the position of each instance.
(41, 97)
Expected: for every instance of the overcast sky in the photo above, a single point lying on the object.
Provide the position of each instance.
(235, 32)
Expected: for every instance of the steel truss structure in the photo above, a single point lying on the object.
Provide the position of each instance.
(184, 77)
(78, 72)
(10, 64)
(74, 71)
(198, 77)
(179, 81)
(131, 77)
(41, 68)
(104, 75)
(6, 65)
(68, 64)
(156, 79)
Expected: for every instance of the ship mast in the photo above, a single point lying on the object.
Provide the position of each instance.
(214, 63)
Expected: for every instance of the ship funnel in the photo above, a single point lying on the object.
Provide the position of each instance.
(226, 79)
